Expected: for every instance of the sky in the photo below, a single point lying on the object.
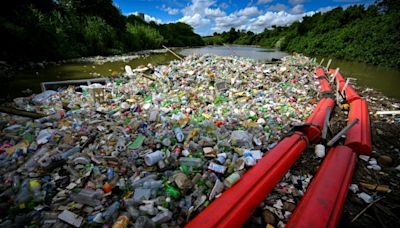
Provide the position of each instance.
(209, 16)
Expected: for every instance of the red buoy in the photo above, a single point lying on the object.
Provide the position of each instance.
(322, 204)
(317, 118)
(359, 136)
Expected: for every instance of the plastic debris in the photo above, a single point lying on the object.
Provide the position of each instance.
(154, 147)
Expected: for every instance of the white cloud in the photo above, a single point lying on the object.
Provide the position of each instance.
(195, 20)
(249, 11)
(296, 2)
(297, 9)
(259, 2)
(205, 18)
(169, 10)
(269, 19)
(148, 18)
(214, 12)
(194, 14)
(197, 6)
(278, 7)
(227, 22)
(325, 9)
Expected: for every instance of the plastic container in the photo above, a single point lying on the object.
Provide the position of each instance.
(153, 158)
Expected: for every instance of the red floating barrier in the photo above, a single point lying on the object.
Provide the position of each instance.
(322, 204)
(317, 119)
(359, 136)
(237, 204)
(324, 86)
(320, 72)
(351, 94)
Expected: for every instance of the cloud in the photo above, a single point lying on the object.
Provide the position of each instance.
(325, 9)
(259, 2)
(214, 12)
(281, 18)
(278, 7)
(148, 18)
(169, 10)
(197, 7)
(296, 2)
(249, 11)
(195, 20)
(297, 9)
(227, 22)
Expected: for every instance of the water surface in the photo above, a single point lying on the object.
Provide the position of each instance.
(386, 80)
(233, 50)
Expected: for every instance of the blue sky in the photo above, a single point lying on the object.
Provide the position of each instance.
(209, 16)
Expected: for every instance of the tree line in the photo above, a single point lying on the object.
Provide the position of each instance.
(36, 30)
(366, 34)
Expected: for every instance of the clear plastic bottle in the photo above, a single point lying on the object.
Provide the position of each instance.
(191, 162)
(233, 178)
(111, 210)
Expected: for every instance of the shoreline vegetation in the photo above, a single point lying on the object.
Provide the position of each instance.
(46, 30)
(357, 33)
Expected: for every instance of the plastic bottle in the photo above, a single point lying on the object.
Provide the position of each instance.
(153, 158)
(111, 210)
(172, 191)
(232, 179)
(143, 221)
(191, 162)
(36, 188)
(179, 134)
(152, 184)
(70, 152)
(24, 194)
(122, 221)
(320, 150)
(162, 217)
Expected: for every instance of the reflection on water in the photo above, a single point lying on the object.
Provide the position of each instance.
(386, 80)
(31, 79)
(383, 79)
(243, 51)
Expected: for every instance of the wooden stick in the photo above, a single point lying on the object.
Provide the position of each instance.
(177, 56)
(334, 75)
(365, 209)
(329, 64)
(397, 112)
(326, 123)
(345, 85)
(18, 112)
(342, 132)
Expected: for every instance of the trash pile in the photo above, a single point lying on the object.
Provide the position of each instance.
(152, 148)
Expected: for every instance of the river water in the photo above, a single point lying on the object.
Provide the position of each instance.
(386, 80)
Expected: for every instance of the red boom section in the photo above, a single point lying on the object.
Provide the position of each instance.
(359, 136)
(324, 86)
(317, 118)
(237, 204)
(351, 94)
(322, 204)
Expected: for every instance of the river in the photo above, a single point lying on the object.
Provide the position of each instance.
(383, 79)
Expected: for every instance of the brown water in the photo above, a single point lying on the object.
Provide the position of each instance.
(31, 78)
(383, 79)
